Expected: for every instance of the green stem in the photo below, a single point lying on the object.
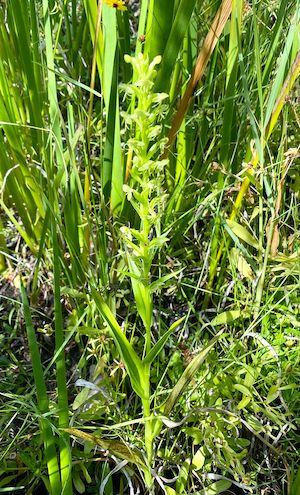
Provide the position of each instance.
(148, 433)
(61, 376)
(261, 281)
(146, 277)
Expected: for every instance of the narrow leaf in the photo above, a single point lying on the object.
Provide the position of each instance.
(42, 398)
(226, 317)
(242, 233)
(202, 61)
(161, 281)
(142, 294)
(272, 394)
(183, 476)
(160, 344)
(132, 362)
(244, 390)
(243, 403)
(117, 448)
(217, 487)
(188, 374)
(179, 28)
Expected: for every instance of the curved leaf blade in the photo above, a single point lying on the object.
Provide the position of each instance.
(188, 374)
(117, 448)
(131, 360)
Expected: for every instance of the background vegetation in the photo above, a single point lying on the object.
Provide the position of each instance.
(149, 247)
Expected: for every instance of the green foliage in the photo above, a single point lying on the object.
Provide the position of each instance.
(149, 192)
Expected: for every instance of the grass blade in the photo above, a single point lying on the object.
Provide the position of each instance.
(55, 117)
(160, 22)
(295, 488)
(42, 399)
(92, 15)
(202, 61)
(174, 43)
(231, 78)
(112, 173)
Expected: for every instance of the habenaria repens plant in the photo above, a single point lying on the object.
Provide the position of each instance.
(145, 191)
(146, 194)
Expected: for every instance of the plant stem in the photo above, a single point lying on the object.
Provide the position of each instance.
(148, 432)
(61, 376)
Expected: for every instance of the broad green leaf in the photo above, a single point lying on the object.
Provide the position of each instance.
(117, 448)
(242, 233)
(132, 362)
(216, 488)
(226, 317)
(198, 460)
(272, 394)
(81, 399)
(159, 25)
(170, 491)
(250, 377)
(243, 403)
(244, 390)
(242, 265)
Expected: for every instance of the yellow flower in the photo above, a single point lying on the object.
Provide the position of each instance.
(116, 4)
